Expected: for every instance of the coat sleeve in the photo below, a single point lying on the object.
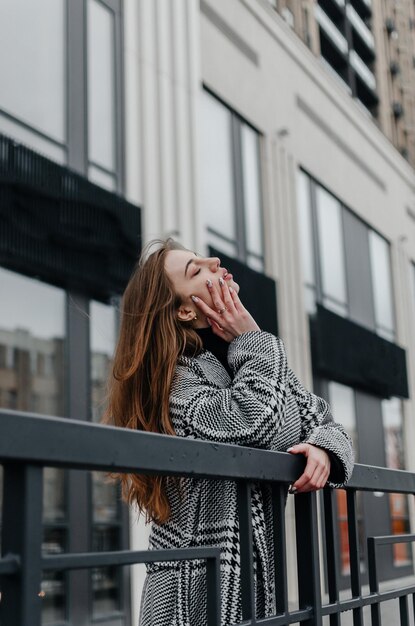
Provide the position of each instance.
(319, 428)
(251, 410)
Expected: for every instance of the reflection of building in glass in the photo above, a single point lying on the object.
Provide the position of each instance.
(31, 372)
(100, 370)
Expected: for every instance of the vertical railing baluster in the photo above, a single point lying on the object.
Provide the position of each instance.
(403, 610)
(247, 553)
(213, 591)
(308, 562)
(280, 549)
(354, 554)
(22, 535)
(330, 523)
(373, 580)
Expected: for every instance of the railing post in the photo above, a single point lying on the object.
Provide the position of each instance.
(22, 536)
(308, 562)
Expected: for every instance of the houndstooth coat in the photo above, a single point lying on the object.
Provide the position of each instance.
(264, 406)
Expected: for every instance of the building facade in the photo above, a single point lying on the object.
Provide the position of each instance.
(262, 131)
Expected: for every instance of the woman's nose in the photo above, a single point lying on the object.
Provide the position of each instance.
(214, 263)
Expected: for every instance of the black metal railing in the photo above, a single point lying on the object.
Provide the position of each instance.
(30, 442)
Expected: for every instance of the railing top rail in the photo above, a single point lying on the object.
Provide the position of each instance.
(64, 442)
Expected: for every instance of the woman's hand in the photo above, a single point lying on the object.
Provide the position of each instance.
(227, 316)
(316, 471)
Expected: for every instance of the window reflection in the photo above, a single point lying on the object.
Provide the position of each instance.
(342, 403)
(395, 459)
(101, 85)
(106, 513)
(252, 195)
(330, 234)
(305, 225)
(32, 378)
(382, 284)
(33, 85)
(217, 173)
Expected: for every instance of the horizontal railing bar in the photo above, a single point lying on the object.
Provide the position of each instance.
(373, 598)
(300, 615)
(384, 540)
(64, 442)
(87, 560)
(373, 478)
(10, 564)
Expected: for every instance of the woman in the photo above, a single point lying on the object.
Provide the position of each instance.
(192, 362)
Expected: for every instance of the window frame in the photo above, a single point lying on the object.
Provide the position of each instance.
(240, 242)
(318, 289)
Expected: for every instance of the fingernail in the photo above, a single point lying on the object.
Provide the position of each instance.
(221, 282)
(208, 321)
(209, 283)
(292, 490)
(230, 289)
(195, 298)
(289, 449)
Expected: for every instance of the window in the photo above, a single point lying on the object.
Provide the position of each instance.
(45, 88)
(346, 265)
(101, 89)
(382, 285)
(106, 513)
(231, 183)
(33, 82)
(395, 459)
(306, 240)
(38, 329)
(343, 406)
(331, 247)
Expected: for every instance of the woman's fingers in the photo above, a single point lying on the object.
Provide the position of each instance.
(207, 310)
(316, 471)
(216, 295)
(226, 295)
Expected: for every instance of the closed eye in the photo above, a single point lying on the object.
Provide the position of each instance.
(196, 273)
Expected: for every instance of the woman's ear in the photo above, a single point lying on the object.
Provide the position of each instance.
(186, 313)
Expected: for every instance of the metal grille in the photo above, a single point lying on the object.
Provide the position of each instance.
(59, 226)
(44, 441)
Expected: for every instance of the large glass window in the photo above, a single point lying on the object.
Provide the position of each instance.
(106, 513)
(32, 378)
(382, 284)
(252, 196)
(395, 459)
(33, 75)
(359, 288)
(218, 200)
(342, 403)
(331, 246)
(231, 183)
(305, 223)
(101, 90)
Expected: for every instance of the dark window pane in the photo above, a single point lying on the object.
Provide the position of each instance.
(105, 583)
(53, 583)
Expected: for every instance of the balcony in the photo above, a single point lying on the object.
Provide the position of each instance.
(362, 38)
(331, 30)
(56, 442)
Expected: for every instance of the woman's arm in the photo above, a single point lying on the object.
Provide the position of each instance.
(319, 429)
(251, 410)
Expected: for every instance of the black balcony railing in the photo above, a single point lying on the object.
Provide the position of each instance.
(30, 442)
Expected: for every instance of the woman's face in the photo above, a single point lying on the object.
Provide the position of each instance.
(189, 273)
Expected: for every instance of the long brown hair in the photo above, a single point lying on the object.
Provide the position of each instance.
(151, 340)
